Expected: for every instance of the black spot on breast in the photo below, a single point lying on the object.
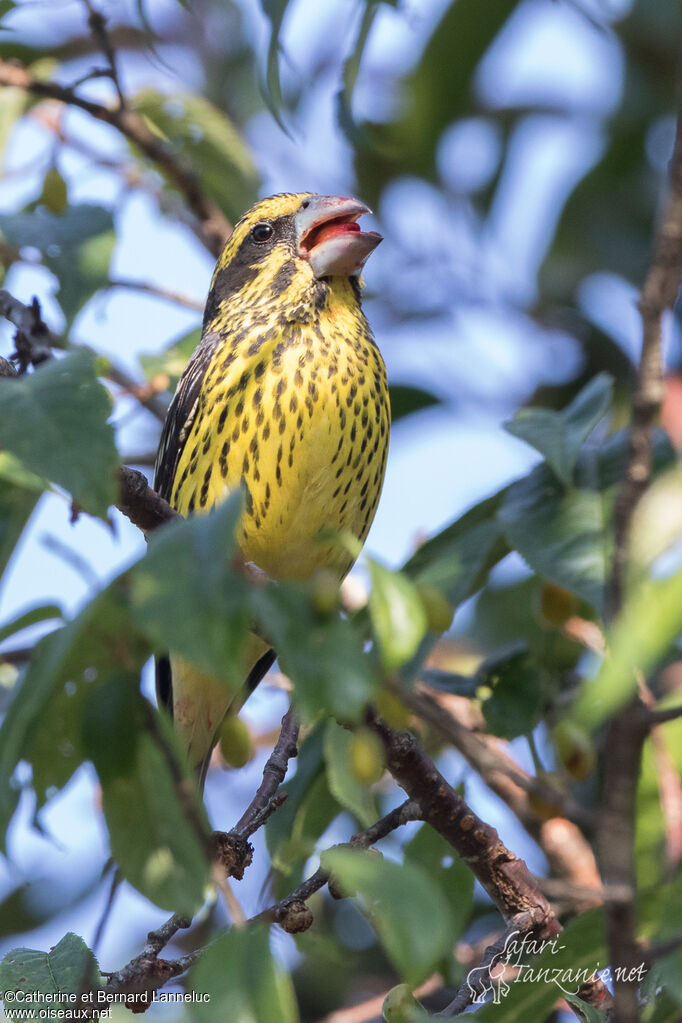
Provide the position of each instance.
(248, 497)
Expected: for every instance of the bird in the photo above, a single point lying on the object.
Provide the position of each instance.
(285, 396)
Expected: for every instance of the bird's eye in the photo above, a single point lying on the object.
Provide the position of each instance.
(262, 232)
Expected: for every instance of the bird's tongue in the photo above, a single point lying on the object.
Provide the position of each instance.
(330, 228)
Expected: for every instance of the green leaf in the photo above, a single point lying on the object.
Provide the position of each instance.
(6, 7)
(69, 968)
(351, 68)
(400, 1006)
(82, 271)
(16, 505)
(565, 533)
(407, 400)
(407, 908)
(518, 686)
(94, 643)
(457, 560)
(506, 616)
(206, 619)
(344, 787)
(398, 616)
(450, 682)
(42, 229)
(322, 654)
(55, 422)
(76, 245)
(244, 982)
(44, 613)
(274, 10)
(650, 837)
(140, 765)
(645, 630)
(587, 1011)
(432, 853)
(559, 436)
(172, 360)
(203, 136)
(55, 193)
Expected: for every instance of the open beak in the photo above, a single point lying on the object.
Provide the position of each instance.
(329, 237)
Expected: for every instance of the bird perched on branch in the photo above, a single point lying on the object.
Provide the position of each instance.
(285, 396)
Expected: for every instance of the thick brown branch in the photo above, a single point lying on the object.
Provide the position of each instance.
(506, 878)
(139, 503)
(215, 227)
(562, 841)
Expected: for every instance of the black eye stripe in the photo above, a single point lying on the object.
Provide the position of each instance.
(262, 232)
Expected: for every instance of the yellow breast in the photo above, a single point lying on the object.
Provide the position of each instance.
(294, 407)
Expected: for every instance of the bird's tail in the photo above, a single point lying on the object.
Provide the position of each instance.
(199, 742)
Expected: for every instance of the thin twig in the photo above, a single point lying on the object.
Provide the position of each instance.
(625, 734)
(158, 292)
(146, 972)
(34, 342)
(98, 26)
(274, 772)
(215, 227)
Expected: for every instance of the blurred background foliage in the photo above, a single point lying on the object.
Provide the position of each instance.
(514, 153)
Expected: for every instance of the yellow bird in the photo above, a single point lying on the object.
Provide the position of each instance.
(285, 396)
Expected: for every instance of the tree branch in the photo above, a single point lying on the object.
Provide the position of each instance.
(34, 342)
(139, 503)
(626, 732)
(98, 26)
(215, 228)
(560, 838)
(503, 875)
(264, 803)
(146, 973)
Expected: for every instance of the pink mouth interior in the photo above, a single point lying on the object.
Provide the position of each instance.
(327, 230)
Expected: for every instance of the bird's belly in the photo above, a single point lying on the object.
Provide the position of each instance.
(307, 440)
(315, 485)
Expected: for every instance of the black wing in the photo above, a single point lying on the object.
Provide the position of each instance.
(176, 429)
(180, 416)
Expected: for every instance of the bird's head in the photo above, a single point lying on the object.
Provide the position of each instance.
(290, 240)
